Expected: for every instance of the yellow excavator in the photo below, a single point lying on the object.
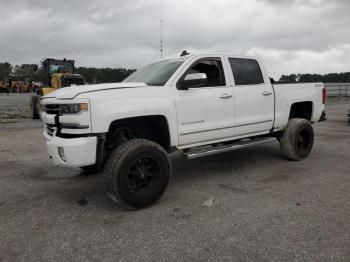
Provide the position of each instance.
(5, 85)
(3, 88)
(56, 74)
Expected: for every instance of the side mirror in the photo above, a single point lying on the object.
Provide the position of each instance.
(194, 80)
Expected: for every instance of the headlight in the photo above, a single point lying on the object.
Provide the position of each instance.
(69, 109)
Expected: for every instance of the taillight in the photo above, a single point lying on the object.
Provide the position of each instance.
(324, 96)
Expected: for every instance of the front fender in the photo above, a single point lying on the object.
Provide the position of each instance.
(105, 110)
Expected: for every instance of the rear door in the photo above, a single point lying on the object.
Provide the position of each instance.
(253, 95)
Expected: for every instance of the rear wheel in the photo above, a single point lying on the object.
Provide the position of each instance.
(137, 173)
(297, 140)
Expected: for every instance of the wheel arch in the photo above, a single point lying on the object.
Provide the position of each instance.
(151, 127)
(302, 109)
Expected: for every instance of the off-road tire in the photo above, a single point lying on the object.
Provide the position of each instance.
(297, 139)
(126, 160)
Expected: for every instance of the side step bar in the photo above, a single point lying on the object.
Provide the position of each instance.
(207, 151)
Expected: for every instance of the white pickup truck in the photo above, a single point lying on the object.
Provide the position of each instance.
(200, 104)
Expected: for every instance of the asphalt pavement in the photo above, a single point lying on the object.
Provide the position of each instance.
(246, 205)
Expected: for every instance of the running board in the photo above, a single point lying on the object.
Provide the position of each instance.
(205, 151)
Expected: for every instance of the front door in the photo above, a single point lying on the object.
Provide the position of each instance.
(205, 113)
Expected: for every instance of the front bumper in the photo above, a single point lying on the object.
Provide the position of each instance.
(71, 152)
(68, 136)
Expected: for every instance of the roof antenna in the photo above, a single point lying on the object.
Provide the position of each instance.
(184, 52)
(161, 39)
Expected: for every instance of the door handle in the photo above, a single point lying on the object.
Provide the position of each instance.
(267, 93)
(225, 96)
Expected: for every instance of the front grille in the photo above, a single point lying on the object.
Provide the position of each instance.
(52, 109)
(50, 129)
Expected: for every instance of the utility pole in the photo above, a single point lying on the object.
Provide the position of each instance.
(161, 39)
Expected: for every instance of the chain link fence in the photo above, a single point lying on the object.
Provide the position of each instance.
(337, 89)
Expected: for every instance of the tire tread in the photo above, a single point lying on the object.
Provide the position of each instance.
(286, 146)
(114, 160)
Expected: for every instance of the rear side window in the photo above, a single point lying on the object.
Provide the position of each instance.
(246, 71)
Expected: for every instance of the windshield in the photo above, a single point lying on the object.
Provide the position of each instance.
(156, 74)
(61, 67)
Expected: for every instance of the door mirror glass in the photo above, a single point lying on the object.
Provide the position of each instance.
(194, 80)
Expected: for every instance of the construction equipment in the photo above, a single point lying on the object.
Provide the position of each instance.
(5, 85)
(3, 88)
(56, 74)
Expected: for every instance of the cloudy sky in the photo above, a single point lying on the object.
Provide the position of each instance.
(292, 36)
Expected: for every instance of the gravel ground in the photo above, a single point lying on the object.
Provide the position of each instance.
(14, 105)
(247, 205)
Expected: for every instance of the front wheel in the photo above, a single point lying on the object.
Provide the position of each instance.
(297, 139)
(137, 173)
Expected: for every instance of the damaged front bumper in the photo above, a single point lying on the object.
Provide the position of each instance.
(71, 152)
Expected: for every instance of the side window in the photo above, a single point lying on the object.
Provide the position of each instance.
(246, 71)
(213, 69)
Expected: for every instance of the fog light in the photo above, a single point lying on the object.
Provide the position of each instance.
(61, 153)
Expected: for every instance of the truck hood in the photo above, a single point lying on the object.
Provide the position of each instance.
(73, 91)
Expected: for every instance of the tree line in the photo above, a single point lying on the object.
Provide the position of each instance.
(104, 75)
(90, 74)
(307, 78)
(109, 75)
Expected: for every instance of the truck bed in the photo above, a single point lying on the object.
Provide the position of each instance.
(288, 94)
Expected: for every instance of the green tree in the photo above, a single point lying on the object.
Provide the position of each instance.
(24, 71)
(103, 75)
(307, 78)
(5, 70)
(288, 79)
